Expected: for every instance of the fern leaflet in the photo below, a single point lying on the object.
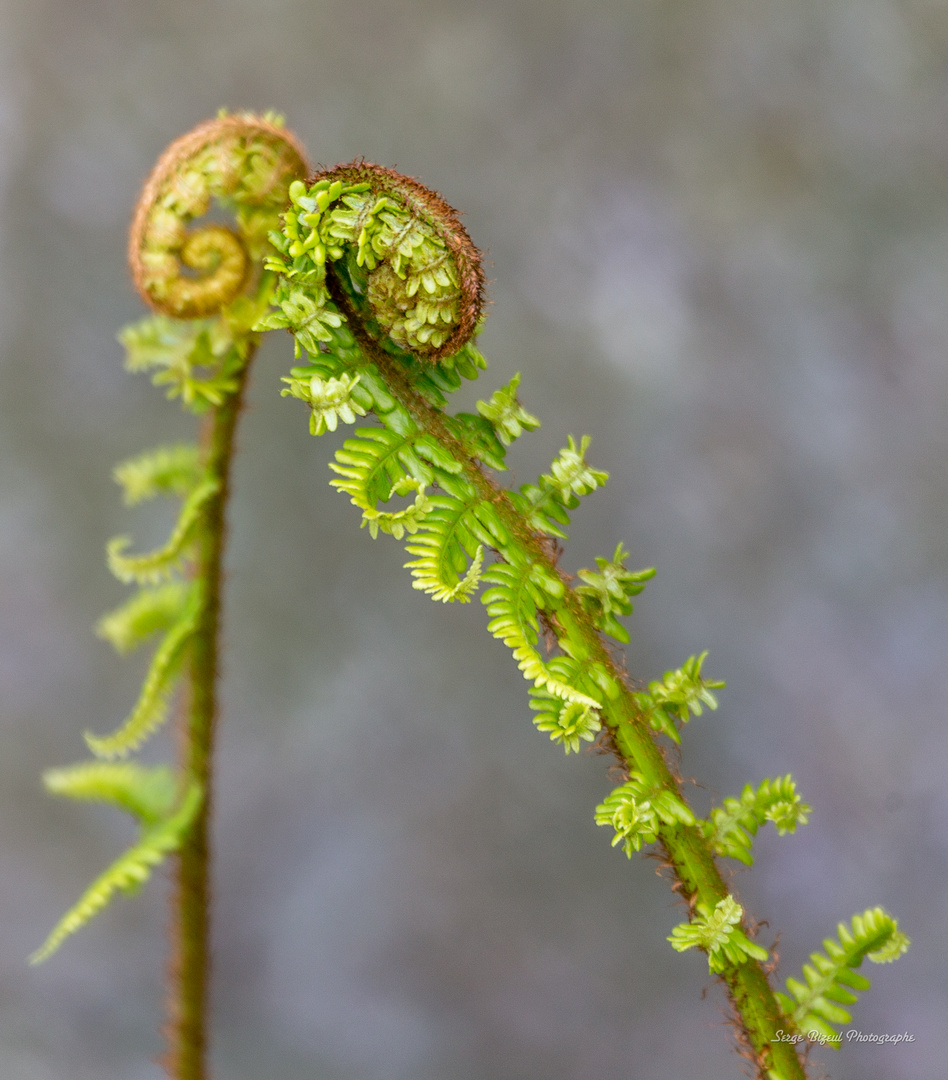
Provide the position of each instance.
(128, 873)
(147, 612)
(718, 932)
(635, 811)
(679, 695)
(513, 603)
(506, 415)
(166, 470)
(567, 721)
(147, 793)
(831, 977)
(399, 522)
(453, 532)
(152, 706)
(161, 563)
(371, 463)
(733, 825)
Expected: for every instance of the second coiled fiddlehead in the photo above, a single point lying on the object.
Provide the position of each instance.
(244, 162)
(208, 287)
(382, 290)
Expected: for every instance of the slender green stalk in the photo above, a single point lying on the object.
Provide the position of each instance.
(190, 963)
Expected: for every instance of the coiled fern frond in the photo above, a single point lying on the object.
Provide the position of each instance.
(243, 161)
(364, 243)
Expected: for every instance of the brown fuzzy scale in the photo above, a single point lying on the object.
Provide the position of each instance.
(428, 205)
(165, 289)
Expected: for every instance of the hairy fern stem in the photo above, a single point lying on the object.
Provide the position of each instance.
(189, 973)
(686, 852)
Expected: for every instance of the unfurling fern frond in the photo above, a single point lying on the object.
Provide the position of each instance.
(733, 825)
(154, 565)
(608, 591)
(636, 811)
(146, 612)
(128, 873)
(505, 413)
(831, 977)
(330, 400)
(681, 694)
(166, 470)
(718, 933)
(146, 792)
(151, 708)
(383, 290)
(568, 722)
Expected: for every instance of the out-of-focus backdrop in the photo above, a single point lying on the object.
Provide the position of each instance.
(717, 235)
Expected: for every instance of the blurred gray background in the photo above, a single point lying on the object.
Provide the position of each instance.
(717, 235)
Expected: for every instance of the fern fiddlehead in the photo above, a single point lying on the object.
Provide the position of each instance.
(382, 290)
(248, 164)
(244, 162)
(208, 287)
(389, 253)
(326, 298)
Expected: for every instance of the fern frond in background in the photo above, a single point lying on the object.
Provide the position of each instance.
(147, 795)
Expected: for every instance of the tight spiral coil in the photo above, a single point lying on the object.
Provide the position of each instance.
(245, 162)
(387, 253)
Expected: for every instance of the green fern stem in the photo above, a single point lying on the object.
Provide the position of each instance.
(687, 851)
(211, 283)
(190, 959)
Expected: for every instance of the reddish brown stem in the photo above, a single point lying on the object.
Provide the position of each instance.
(190, 961)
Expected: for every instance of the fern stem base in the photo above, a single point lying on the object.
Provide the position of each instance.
(190, 962)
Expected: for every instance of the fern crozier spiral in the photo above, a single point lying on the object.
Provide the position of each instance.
(387, 253)
(246, 162)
